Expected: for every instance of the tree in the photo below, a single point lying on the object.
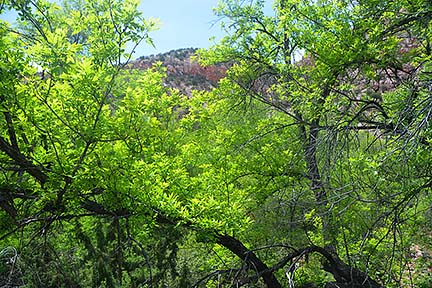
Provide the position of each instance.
(338, 79)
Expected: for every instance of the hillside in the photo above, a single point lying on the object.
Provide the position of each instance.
(184, 72)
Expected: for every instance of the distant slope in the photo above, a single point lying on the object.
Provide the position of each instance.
(183, 73)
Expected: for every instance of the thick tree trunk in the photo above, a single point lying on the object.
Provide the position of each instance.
(237, 247)
(310, 138)
(317, 185)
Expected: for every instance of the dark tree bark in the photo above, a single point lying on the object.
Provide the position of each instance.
(237, 247)
(345, 275)
(22, 161)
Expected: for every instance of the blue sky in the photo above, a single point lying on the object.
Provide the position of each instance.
(183, 24)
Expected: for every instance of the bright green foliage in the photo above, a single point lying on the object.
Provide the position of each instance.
(90, 151)
(101, 173)
(315, 145)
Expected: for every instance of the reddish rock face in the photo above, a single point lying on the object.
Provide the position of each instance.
(184, 73)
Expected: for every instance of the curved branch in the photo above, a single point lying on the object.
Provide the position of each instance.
(345, 275)
(249, 257)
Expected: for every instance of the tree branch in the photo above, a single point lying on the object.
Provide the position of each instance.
(22, 161)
